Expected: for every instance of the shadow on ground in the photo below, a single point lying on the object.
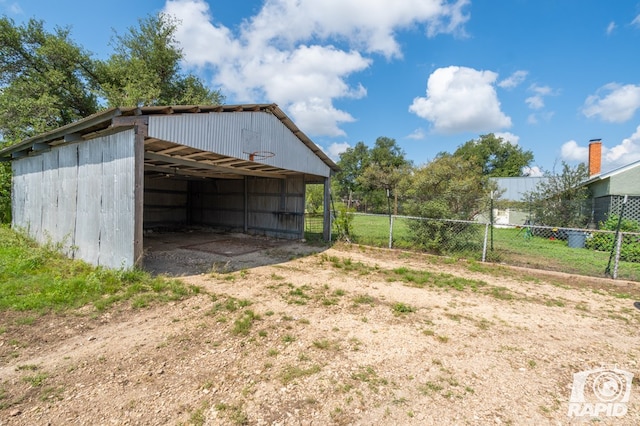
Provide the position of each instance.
(199, 251)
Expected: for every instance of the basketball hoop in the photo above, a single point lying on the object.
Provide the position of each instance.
(260, 155)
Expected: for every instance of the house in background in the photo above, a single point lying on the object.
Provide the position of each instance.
(609, 189)
(513, 190)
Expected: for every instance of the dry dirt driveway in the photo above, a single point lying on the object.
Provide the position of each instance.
(344, 335)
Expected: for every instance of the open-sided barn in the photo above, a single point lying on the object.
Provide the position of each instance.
(97, 184)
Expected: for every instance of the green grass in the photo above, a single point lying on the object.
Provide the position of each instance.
(374, 231)
(39, 278)
(543, 253)
(509, 247)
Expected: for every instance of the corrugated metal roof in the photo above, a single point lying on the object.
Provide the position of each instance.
(95, 124)
(516, 187)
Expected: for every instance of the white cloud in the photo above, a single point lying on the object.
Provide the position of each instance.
(571, 151)
(461, 99)
(636, 21)
(509, 137)
(534, 171)
(611, 27)
(417, 134)
(335, 149)
(513, 80)
(301, 54)
(537, 100)
(613, 103)
(318, 116)
(626, 152)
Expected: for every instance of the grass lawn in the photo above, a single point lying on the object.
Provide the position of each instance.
(509, 246)
(39, 278)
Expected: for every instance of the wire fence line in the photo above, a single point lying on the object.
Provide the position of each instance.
(614, 254)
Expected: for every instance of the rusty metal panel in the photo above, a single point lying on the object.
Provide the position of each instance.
(236, 134)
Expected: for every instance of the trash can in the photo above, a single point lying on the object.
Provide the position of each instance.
(576, 239)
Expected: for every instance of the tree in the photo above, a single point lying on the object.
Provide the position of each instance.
(145, 69)
(45, 80)
(352, 164)
(386, 169)
(446, 188)
(495, 156)
(559, 200)
(5, 193)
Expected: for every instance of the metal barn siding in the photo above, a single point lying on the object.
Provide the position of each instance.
(165, 202)
(234, 133)
(81, 195)
(218, 202)
(27, 199)
(276, 207)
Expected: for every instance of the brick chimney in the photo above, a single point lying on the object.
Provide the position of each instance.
(595, 157)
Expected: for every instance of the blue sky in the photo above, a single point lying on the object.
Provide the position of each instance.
(548, 75)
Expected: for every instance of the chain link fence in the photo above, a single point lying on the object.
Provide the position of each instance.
(591, 252)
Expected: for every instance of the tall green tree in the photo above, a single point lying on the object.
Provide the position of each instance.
(145, 69)
(560, 199)
(386, 169)
(352, 164)
(496, 156)
(45, 80)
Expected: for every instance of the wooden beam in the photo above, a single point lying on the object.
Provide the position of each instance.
(73, 137)
(175, 159)
(172, 170)
(40, 146)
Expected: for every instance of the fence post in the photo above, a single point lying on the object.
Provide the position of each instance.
(617, 259)
(491, 219)
(615, 249)
(391, 231)
(484, 244)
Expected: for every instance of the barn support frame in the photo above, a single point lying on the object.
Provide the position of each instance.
(326, 230)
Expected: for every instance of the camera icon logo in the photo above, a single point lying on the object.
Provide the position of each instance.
(600, 392)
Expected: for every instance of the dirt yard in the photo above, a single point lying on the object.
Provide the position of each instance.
(294, 334)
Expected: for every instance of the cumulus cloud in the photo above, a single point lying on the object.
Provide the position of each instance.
(302, 54)
(509, 137)
(461, 99)
(572, 152)
(335, 149)
(514, 80)
(613, 102)
(626, 152)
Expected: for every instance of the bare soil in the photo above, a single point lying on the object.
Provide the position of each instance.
(297, 334)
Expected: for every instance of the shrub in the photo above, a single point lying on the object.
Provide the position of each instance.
(601, 241)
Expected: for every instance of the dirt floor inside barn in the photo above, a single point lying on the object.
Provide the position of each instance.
(288, 333)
